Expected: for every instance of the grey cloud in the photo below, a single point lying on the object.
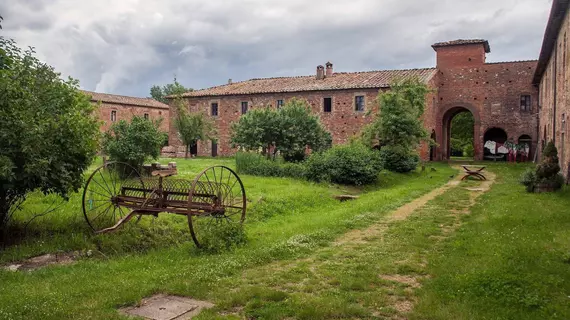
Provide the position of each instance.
(124, 47)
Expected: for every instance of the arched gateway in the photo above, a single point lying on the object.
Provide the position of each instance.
(444, 136)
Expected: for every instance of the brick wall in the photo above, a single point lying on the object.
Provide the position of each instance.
(554, 86)
(343, 122)
(127, 112)
(490, 91)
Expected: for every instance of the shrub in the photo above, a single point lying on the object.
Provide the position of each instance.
(398, 159)
(133, 142)
(353, 164)
(546, 176)
(469, 151)
(257, 165)
(218, 237)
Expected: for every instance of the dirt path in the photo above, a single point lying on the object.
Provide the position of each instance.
(377, 261)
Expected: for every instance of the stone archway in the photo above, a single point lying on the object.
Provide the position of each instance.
(444, 133)
(499, 136)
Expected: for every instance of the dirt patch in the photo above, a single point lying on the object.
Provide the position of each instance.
(163, 307)
(43, 261)
(407, 280)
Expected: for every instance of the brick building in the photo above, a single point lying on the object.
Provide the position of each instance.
(552, 77)
(500, 96)
(115, 108)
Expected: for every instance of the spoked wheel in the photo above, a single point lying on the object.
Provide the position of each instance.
(217, 198)
(102, 206)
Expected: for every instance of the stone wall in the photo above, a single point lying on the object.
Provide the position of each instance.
(555, 98)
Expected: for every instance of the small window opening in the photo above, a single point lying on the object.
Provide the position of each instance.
(327, 105)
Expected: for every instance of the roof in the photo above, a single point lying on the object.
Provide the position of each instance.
(555, 21)
(133, 101)
(462, 42)
(339, 81)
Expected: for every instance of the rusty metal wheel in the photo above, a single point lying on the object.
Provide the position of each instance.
(100, 195)
(217, 197)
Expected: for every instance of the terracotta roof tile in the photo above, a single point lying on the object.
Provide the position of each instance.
(460, 42)
(133, 101)
(339, 80)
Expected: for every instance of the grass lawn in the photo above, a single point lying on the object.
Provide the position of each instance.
(287, 220)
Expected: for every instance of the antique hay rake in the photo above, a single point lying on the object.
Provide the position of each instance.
(116, 192)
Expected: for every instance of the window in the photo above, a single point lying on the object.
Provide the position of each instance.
(525, 103)
(279, 103)
(214, 109)
(113, 116)
(359, 103)
(244, 107)
(327, 105)
(146, 116)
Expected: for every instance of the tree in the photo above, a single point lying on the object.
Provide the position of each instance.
(192, 126)
(289, 130)
(462, 132)
(48, 130)
(133, 142)
(172, 89)
(398, 124)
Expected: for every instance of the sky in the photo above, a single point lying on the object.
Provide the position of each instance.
(126, 46)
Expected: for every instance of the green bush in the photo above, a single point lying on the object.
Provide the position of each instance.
(399, 159)
(469, 151)
(133, 142)
(218, 237)
(546, 176)
(353, 164)
(257, 165)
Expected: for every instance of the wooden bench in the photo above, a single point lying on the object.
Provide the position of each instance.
(473, 171)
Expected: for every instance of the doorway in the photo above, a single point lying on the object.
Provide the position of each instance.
(214, 149)
(458, 134)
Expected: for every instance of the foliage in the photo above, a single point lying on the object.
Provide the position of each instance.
(48, 130)
(289, 130)
(172, 89)
(469, 150)
(462, 132)
(219, 237)
(398, 125)
(399, 159)
(353, 164)
(133, 142)
(257, 165)
(547, 174)
(192, 126)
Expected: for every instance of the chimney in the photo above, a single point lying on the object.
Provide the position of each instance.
(329, 71)
(229, 81)
(320, 72)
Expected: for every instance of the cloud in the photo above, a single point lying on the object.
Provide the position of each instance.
(126, 46)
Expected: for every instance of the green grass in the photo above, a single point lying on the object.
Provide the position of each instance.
(509, 260)
(288, 219)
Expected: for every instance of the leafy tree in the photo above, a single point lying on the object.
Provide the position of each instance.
(257, 129)
(133, 142)
(289, 130)
(192, 126)
(462, 132)
(398, 124)
(48, 130)
(172, 89)
(300, 129)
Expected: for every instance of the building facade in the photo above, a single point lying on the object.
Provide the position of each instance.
(500, 96)
(552, 77)
(113, 108)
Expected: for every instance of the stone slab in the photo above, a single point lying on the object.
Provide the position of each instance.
(163, 307)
